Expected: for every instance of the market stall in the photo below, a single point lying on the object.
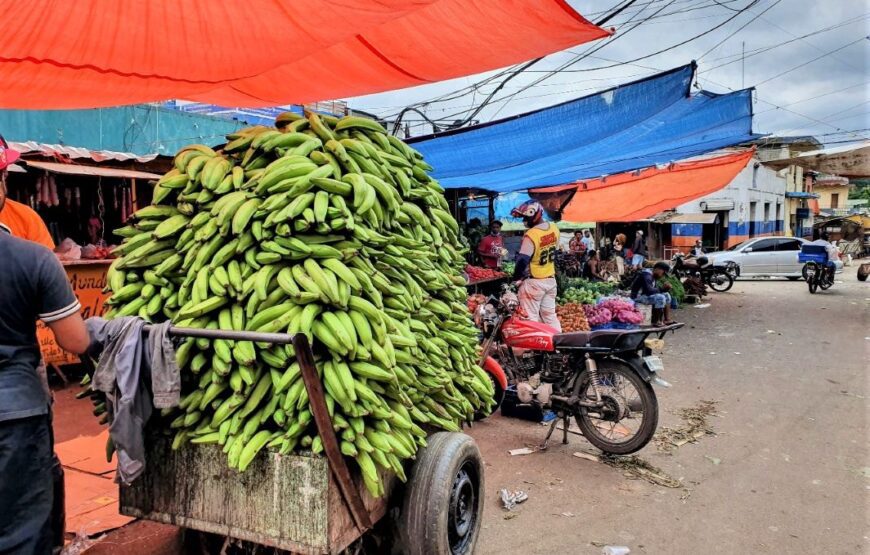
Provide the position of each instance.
(79, 195)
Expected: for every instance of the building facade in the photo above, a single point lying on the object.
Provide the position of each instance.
(752, 205)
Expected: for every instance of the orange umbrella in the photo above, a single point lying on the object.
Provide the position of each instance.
(632, 196)
(91, 53)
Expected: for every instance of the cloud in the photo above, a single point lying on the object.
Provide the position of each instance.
(840, 80)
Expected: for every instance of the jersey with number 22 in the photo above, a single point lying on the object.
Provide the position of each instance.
(546, 242)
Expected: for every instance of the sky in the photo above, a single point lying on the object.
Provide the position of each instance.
(824, 89)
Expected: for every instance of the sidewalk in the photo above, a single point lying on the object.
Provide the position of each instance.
(93, 524)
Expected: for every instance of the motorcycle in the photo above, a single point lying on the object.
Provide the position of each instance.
(718, 278)
(819, 276)
(817, 271)
(603, 379)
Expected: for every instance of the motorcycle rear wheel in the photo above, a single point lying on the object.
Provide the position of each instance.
(727, 284)
(594, 428)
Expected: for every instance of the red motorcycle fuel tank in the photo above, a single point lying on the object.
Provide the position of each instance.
(526, 334)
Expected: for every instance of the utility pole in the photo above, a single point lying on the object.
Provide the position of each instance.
(743, 67)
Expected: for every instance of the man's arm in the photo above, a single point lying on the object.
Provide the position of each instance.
(524, 258)
(70, 333)
(649, 287)
(59, 308)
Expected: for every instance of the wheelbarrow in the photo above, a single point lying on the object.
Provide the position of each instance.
(307, 503)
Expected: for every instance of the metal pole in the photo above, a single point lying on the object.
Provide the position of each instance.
(231, 335)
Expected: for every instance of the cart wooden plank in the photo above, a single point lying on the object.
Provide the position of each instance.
(291, 502)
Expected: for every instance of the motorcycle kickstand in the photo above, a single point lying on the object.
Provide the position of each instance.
(565, 423)
(543, 446)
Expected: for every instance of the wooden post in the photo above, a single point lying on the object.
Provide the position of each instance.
(320, 412)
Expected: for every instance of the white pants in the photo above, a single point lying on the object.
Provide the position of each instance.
(538, 299)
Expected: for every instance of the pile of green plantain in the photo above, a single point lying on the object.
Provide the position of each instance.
(322, 226)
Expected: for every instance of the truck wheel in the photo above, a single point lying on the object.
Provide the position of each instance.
(443, 505)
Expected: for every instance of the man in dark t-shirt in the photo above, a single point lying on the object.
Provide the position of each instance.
(33, 286)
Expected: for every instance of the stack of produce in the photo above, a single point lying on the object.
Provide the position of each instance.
(597, 315)
(476, 273)
(325, 227)
(622, 310)
(579, 290)
(475, 301)
(572, 317)
(508, 267)
(610, 310)
(677, 291)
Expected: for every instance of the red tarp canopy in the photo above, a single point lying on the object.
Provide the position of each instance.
(92, 53)
(633, 196)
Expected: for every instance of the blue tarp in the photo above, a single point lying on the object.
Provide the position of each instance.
(652, 121)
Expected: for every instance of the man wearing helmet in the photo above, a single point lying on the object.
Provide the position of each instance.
(536, 266)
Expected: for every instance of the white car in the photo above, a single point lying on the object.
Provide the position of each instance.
(765, 256)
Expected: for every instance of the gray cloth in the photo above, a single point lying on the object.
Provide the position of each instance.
(129, 363)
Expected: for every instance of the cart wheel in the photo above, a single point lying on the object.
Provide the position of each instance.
(443, 504)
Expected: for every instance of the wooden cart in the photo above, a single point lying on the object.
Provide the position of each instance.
(311, 504)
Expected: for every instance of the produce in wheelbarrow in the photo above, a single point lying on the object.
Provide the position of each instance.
(321, 226)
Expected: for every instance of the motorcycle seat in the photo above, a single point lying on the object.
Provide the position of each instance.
(578, 339)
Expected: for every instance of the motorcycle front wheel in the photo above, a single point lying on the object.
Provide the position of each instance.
(812, 277)
(720, 281)
(628, 419)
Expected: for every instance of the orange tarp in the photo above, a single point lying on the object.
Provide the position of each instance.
(92, 53)
(633, 196)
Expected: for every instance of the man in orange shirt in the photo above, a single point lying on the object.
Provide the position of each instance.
(19, 218)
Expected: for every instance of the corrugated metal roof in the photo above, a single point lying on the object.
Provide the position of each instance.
(32, 147)
(75, 169)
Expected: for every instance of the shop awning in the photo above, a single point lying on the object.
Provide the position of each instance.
(800, 195)
(699, 218)
(75, 169)
(637, 195)
(47, 150)
(648, 122)
(92, 53)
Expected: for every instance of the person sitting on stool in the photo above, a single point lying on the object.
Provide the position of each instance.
(644, 291)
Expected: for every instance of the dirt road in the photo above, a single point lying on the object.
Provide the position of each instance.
(788, 470)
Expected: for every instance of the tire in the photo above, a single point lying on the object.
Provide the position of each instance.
(804, 272)
(647, 400)
(862, 276)
(723, 287)
(442, 509)
(812, 281)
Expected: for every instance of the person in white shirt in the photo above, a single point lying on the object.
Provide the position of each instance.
(833, 252)
(588, 240)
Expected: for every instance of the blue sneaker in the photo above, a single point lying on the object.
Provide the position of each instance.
(549, 416)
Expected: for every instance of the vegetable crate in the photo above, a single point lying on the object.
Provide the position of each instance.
(307, 503)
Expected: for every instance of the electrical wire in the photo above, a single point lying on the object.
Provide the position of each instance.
(762, 50)
(778, 75)
(744, 26)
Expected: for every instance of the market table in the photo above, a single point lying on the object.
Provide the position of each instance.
(487, 285)
(87, 278)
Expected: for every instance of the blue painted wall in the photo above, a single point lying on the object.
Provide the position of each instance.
(141, 129)
(754, 229)
(687, 230)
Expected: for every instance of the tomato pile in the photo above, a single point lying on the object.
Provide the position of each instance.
(475, 301)
(476, 273)
(572, 317)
